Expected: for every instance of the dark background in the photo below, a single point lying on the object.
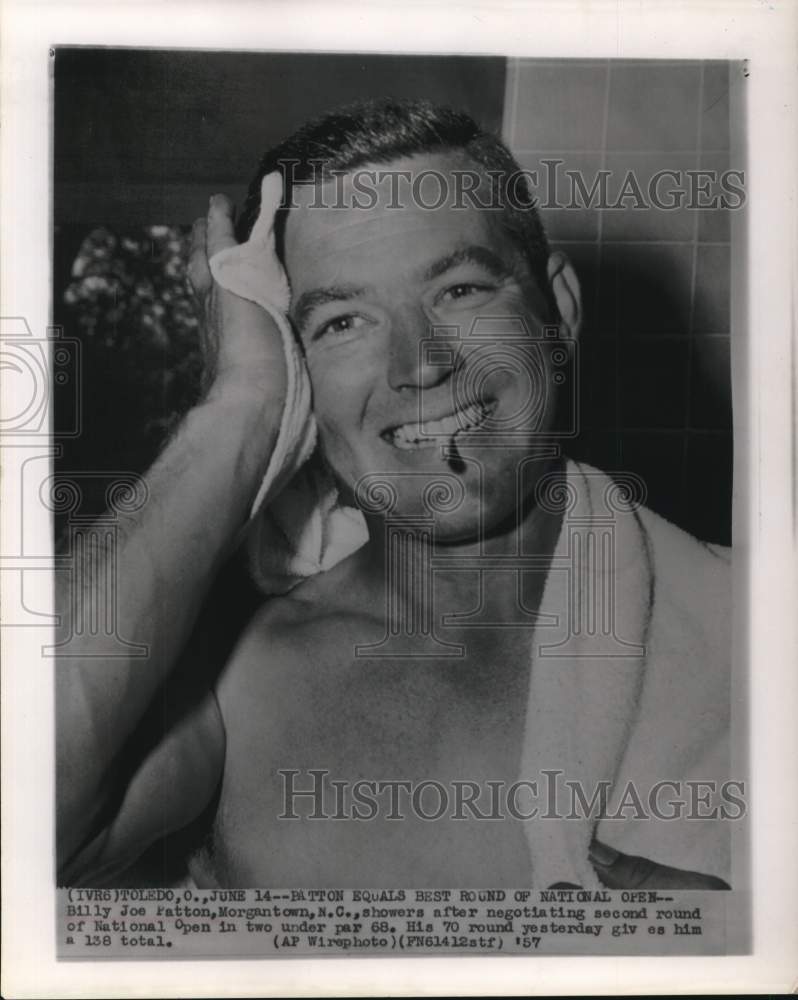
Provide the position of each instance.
(141, 138)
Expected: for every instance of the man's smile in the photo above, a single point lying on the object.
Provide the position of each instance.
(428, 433)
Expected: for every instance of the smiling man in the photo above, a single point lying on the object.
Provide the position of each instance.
(403, 717)
(371, 287)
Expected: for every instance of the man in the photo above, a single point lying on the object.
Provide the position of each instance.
(335, 712)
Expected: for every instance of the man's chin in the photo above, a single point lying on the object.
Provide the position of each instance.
(459, 491)
(418, 480)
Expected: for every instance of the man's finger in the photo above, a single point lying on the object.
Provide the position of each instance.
(628, 871)
(199, 273)
(221, 233)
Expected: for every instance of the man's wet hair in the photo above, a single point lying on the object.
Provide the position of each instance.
(382, 131)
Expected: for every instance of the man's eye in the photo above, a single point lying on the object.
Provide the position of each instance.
(339, 325)
(464, 290)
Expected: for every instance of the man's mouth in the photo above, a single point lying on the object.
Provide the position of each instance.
(429, 433)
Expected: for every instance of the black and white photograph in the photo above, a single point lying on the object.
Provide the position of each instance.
(410, 469)
(396, 465)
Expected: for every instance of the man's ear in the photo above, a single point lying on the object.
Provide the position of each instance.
(565, 288)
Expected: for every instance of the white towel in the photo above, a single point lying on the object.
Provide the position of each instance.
(651, 705)
(297, 526)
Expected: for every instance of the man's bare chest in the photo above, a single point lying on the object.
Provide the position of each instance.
(350, 770)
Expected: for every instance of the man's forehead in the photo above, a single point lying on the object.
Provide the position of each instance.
(420, 180)
(413, 203)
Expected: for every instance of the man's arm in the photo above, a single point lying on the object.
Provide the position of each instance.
(199, 493)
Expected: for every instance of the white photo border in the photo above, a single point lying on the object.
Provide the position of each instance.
(764, 382)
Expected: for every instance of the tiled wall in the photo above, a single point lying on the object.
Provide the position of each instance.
(655, 349)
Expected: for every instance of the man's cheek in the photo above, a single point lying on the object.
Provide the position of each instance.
(341, 454)
(337, 375)
(333, 397)
(338, 421)
(329, 396)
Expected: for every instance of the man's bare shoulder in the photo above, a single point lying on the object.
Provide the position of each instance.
(325, 610)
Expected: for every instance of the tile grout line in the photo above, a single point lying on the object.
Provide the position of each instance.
(511, 94)
(691, 331)
(637, 151)
(644, 243)
(599, 259)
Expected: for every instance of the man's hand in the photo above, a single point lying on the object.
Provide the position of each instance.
(628, 871)
(241, 343)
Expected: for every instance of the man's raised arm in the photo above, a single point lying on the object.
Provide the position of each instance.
(199, 495)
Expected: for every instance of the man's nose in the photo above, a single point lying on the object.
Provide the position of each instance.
(414, 360)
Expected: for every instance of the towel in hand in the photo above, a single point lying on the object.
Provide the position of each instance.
(297, 526)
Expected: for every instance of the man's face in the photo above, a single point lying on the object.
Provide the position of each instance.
(369, 287)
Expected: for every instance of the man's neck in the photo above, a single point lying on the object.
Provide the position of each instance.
(403, 557)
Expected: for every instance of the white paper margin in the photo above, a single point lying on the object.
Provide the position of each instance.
(764, 33)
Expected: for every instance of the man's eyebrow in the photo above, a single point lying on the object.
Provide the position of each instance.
(309, 301)
(472, 254)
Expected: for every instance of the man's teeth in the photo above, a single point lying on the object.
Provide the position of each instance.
(428, 434)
